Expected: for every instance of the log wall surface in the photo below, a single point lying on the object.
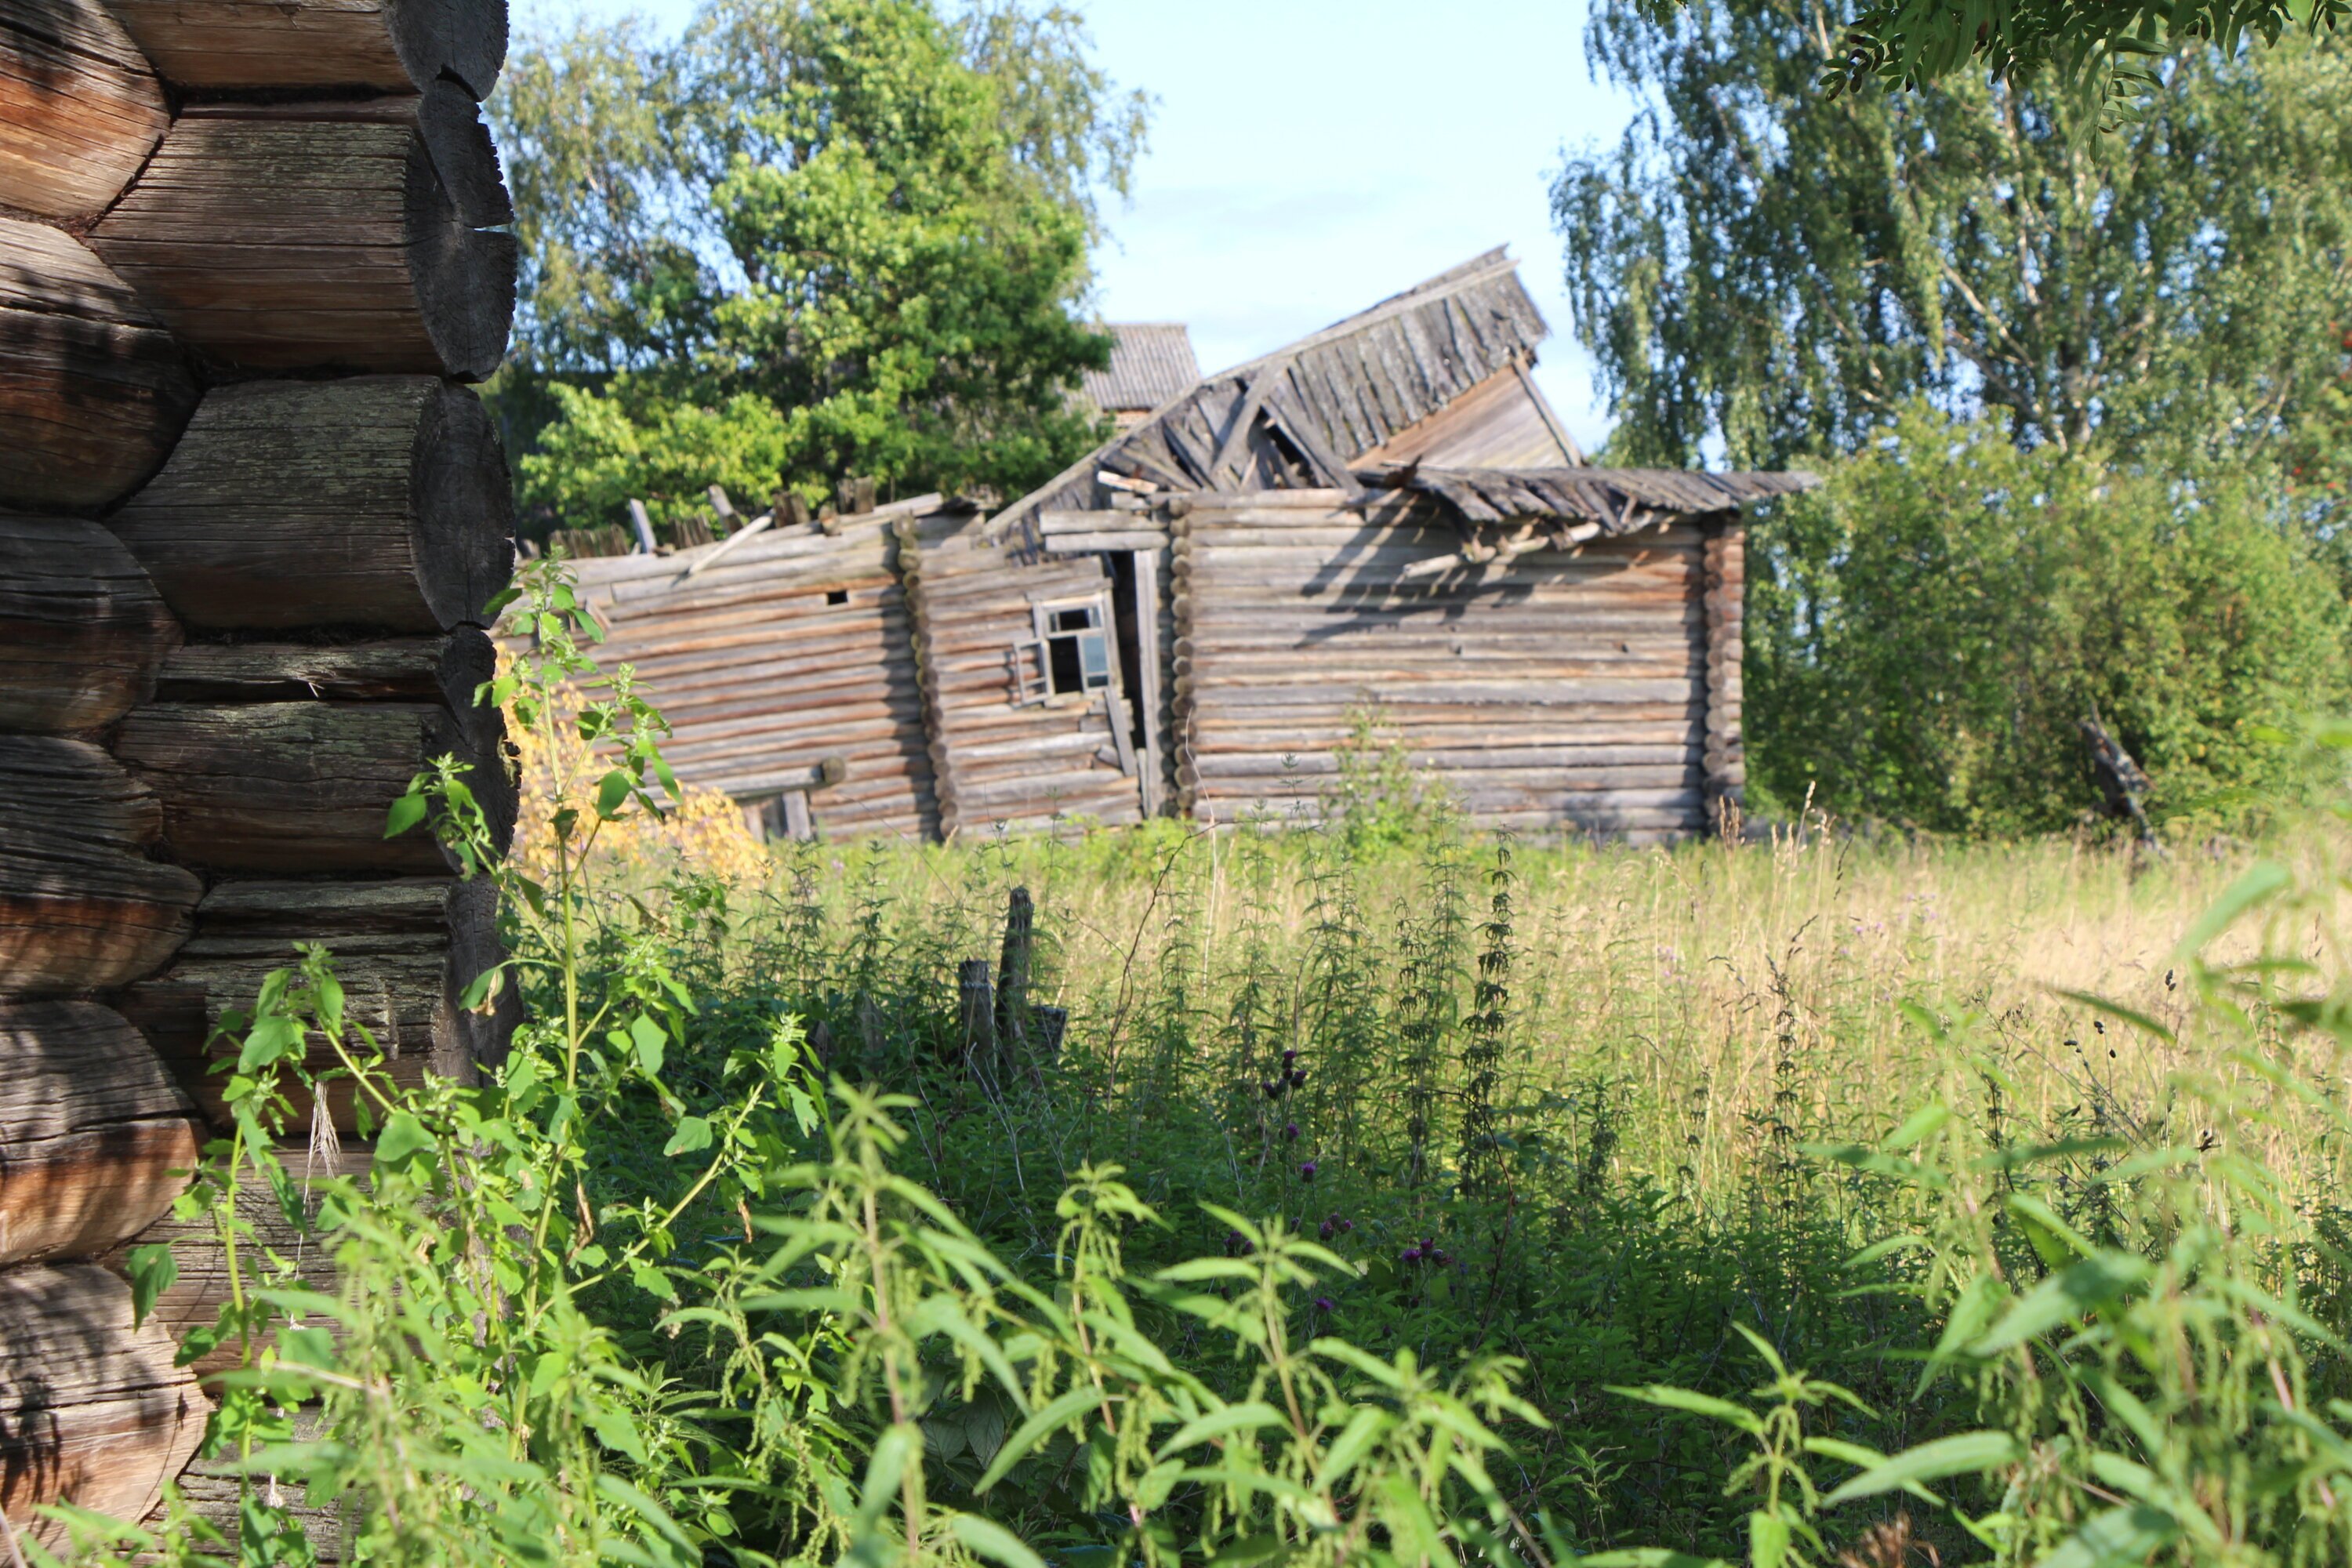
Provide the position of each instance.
(1563, 692)
(237, 615)
(792, 648)
(1001, 763)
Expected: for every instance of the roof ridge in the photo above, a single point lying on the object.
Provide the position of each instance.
(1480, 268)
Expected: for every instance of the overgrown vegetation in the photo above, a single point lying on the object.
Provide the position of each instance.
(1924, 631)
(1402, 1200)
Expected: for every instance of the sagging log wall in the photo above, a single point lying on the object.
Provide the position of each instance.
(997, 764)
(786, 666)
(250, 518)
(1592, 690)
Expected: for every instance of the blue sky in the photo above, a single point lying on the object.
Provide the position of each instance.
(1309, 157)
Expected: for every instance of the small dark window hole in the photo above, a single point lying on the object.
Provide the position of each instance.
(837, 595)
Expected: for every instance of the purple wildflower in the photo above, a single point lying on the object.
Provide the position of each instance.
(1290, 1130)
(1306, 1172)
(1325, 1304)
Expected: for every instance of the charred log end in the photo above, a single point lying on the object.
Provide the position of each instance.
(463, 275)
(463, 508)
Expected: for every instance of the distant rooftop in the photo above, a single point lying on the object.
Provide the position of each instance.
(1150, 361)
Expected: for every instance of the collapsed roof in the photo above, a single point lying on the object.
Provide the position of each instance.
(1428, 391)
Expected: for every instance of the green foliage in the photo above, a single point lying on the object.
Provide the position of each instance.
(815, 238)
(1923, 633)
(2102, 52)
(1788, 271)
(660, 1293)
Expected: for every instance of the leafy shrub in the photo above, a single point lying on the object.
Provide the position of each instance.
(1925, 633)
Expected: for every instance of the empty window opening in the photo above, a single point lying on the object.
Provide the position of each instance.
(1069, 656)
(837, 595)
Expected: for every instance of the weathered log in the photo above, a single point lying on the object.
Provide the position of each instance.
(305, 786)
(80, 107)
(81, 907)
(404, 952)
(377, 501)
(392, 46)
(82, 630)
(93, 391)
(92, 1129)
(193, 1299)
(449, 670)
(92, 1411)
(319, 236)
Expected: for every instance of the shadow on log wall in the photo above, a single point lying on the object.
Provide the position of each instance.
(251, 253)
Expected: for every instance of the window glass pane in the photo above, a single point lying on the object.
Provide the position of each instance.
(1094, 652)
(1078, 618)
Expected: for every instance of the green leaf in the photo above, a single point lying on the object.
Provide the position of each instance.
(406, 813)
(1768, 1540)
(652, 1281)
(2130, 1534)
(693, 1133)
(1249, 1415)
(612, 791)
(2066, 1296)
(403, 1139)
(1966, 1453)
(993, 1540)
(1705, 1405)
(153, 1271)
(2259, 881)
(1052, 1418)
(272, 1039)
(649, 1041)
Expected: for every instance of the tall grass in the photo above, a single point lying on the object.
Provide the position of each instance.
(1399, 1195)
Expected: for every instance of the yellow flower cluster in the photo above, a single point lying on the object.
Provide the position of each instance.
(703, 833)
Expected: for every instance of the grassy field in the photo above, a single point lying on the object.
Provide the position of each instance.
(1577, 1103)
(1397, 1195)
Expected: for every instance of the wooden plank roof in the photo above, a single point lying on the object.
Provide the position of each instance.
(1619, 500)
(1334, 395)
(1150, 361)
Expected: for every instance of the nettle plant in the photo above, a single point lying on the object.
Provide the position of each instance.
(2149, 1319)
(548, 1343)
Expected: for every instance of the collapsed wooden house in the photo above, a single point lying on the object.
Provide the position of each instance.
(1381, 534)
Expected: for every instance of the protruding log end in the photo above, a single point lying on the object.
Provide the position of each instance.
(328, 235)
(93, 392)
(392, 46)
(97, 1412)
(93, 1125)
(81, 907)
(376, 501)
(80, 108)
(82, 630)
(306, 786)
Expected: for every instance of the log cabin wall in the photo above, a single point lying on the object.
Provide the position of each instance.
(786, 665)
(1007, 752)
(250, 517)
(1564, 691)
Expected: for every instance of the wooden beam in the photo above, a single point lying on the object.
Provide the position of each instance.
(373, 502)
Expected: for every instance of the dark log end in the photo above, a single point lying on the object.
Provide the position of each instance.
(464, 508)
(463, 274)
(463, 41)
(458, 142)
